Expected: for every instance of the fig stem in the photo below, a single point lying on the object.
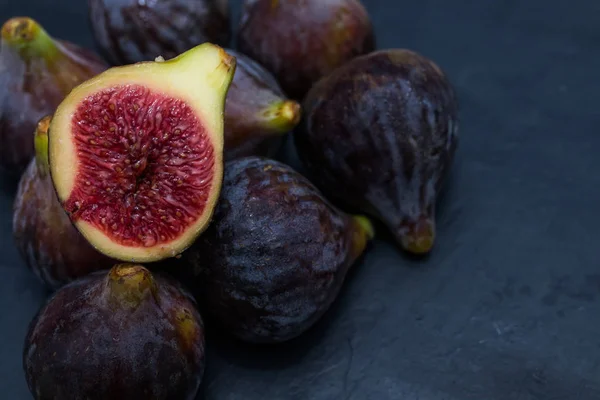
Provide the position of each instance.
(129, 285)
(28, 37)
(282, 116)
(40, 142)
(363, 233)
(417, 237)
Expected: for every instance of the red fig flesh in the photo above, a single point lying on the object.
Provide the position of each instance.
(136, 153)
(36, 73)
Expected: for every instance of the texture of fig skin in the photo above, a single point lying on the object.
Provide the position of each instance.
(43, 233)
(300, 41)
(257, 112)
(120, 335)
(276, 255)
(379, 137)
(36, 73)
(130, 31)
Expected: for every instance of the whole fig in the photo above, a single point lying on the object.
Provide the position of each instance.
(300, 41)
(379, 136)
(257, 112)
(36, 73)
(276, 255)
(119, 335)
(44, 236)
(129, 31)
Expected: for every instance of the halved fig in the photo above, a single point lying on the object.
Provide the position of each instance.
(36, 72)
(136, 153)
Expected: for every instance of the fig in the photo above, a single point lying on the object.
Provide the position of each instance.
(379, 136)
(36, 73)
(300, 41)
(44, 236)
(122, 334)
(276, 256)
(257, 112)
(136, 153)
(130, 31)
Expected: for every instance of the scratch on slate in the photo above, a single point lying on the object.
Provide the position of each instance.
(348, 368)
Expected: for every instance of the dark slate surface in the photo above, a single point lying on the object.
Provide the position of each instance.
(507, 306)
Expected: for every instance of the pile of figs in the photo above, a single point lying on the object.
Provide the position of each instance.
(155, 189)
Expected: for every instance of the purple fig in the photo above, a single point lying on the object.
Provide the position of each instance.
(300, 41)
(45, 237)
(379, 137)
(276, 255)
(36, 73)
(257, 112)
(120, 335)
(129, 31)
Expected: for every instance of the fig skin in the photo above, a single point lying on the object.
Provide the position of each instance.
(36, 73)
(379, 136)
(276, 255)
(130, 31)
(43, 233)
(123, 334)
(257, 112)
(300, 41)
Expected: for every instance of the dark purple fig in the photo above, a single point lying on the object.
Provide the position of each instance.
(129, 31)
(36, 73)
(379, 137)
(257, 112)
(276, 255)
(300, 41)
(120, 335)
(45, 237)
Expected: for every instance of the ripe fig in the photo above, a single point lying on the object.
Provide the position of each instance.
(276, 255)
(379, 137)
(36, 73)
(300, 41)
(120, 335)
(257, 113)
(130, 31)
(44, 236)
(136, 153)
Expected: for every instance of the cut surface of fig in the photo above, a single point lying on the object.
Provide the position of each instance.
(136, 154)
(379, 136)
(36, 72)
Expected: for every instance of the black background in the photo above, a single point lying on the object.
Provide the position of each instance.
(508, 305)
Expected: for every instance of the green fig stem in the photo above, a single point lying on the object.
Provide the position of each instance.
(129, 285)
(282, 116)
(363, 233)
(40, 142)
(28, 38)
(417, 237)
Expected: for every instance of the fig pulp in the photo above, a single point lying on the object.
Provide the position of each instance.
(379, 137)
(36, 73)
(276, 255)
(257, 113)
(300, 41)
(136, 153)
(120, 335)
(44, 236)
(130, 31)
